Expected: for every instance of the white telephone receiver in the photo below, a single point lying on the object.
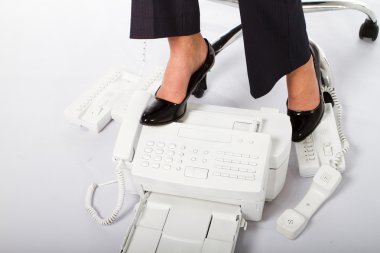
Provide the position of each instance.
(130, 128)
(123, 155)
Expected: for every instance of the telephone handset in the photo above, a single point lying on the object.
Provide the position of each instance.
(293, 221)
(130, 128)
(123, 154)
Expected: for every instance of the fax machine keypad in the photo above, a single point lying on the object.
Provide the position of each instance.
(236, 165)
(196, 162)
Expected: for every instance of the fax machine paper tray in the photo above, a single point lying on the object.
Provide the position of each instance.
(168, 223)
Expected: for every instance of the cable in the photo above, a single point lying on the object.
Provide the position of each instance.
(120, 200)
(144, 55)
(137, 210)
(345, 144)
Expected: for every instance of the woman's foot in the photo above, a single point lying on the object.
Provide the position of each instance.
(305, 100)
(182, 78)
(303, 88)
(187, 54)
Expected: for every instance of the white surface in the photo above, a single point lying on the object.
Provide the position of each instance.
(52, 51)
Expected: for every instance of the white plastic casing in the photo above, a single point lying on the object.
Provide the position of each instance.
(109, 98)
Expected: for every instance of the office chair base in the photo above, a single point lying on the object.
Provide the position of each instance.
(369, 30)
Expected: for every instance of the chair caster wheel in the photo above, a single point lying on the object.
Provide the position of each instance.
(369, 30)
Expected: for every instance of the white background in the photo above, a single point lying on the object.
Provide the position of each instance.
(52, 51)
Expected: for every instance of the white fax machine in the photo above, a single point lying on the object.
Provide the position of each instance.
(202, 177)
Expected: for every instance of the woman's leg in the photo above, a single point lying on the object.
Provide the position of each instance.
(303, 91)
(151, 19)
(187, 54)
(276, 44)
(179, 20)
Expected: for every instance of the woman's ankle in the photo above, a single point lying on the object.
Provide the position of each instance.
(187, 54)
(303, 88)
(191, 49)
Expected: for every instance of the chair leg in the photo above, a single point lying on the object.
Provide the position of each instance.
(227, 39)
(318, 6)
(369, 28)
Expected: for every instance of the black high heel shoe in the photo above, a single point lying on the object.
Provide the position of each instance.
(305, 122)
(161, 111)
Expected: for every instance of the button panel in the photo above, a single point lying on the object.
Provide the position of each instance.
(309, 148)
(197, 162)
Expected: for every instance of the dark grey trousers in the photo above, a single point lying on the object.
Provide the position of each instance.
(274, 32)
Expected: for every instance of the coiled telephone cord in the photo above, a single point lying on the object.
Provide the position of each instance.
(339, 118)
(120, 200)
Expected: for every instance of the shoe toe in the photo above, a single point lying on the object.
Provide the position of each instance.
(161, 111)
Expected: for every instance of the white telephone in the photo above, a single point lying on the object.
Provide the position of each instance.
(322, 147)
(105, 101)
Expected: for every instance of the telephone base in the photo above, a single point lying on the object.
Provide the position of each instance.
(321, 147)
(109, 98)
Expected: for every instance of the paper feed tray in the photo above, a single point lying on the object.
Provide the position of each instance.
(168, 223)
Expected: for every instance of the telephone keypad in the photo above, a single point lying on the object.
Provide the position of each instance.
(309, 148)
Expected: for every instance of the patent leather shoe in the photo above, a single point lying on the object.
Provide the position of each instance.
(304, 122)
(160, 111)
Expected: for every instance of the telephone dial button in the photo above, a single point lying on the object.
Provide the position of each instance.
(150, 143)
(145, 164)
(146, 157)
(159, 151)
(158, 158)
(161, 144)
(148, 150)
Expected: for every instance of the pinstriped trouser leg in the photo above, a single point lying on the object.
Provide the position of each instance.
(152, 19)
(274, 31)
(275, 41)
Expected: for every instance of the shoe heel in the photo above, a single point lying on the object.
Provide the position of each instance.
(200, 90)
